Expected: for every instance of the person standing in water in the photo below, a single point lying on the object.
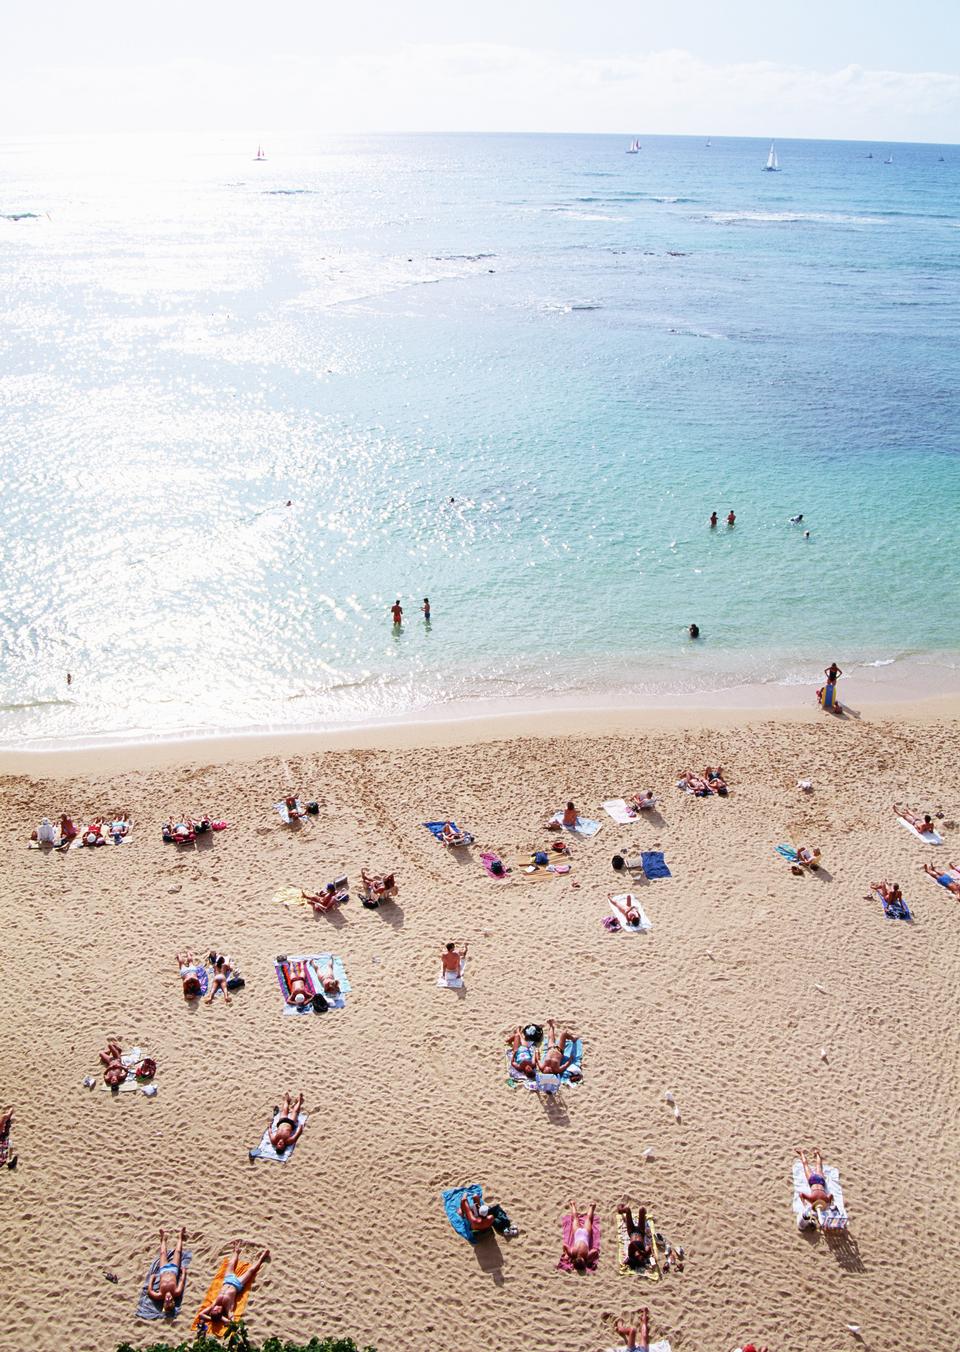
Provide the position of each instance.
(694, 631)
(713, 520)
(396, 610)
(426, 609)
(731, 517)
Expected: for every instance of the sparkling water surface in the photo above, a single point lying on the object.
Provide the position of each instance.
(587, 350)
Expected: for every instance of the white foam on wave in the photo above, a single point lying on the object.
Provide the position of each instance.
(792, 218)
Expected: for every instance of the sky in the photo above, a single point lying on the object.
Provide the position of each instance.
(820, 68)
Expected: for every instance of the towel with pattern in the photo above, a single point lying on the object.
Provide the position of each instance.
(570, 1226)
(542, 1082)
(833, 1217)
(266, 1149)
(651, 1272)
(149, 1309)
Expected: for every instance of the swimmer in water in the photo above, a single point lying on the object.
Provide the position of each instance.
(806, 535)
(396, 610)
(731, 517)
(694, 631)
(426, 609)
(713, 520)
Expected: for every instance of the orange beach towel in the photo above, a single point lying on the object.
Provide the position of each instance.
(217, 1328)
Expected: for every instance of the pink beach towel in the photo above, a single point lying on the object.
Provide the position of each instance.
(569, 1225)
(487, 861)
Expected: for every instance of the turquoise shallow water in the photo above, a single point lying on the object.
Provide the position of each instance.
(587, 350)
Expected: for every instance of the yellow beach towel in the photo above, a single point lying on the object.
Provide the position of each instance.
(217, 1327)
(652, 1274)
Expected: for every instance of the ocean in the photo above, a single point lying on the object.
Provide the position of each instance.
(511, 373)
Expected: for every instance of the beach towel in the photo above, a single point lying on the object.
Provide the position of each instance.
(306, 1007)
(314, 963)
(585, 826)
(290, 896)
(685, 788)
(894, 910)
(548, 1084)
(928, 837)
(283, 811)
(654, 865)
(833, 1217)
(266, 1151)
(628, 899)
(449, 980)
(436, 830)
(617, 809)
(789, 853)
(148, 1309)
(569, 1225)
(217, 1327)
(451, 1205)
(488, 860)
(652, 1272)
(539, 873)
(130, 1059)
(202, 977)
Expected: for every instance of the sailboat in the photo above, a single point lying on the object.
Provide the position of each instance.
(869, 154)
(941, 160)
(634, 147)
(259, 155)
(772, 165)
(708, 143)
(889, 159)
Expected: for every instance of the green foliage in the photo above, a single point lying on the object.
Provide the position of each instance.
(237, 1339)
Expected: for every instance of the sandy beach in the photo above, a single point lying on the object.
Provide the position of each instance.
(777, 1010)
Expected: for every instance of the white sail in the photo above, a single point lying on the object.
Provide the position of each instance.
(773, 164)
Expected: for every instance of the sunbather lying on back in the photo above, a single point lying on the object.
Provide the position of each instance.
(950, 880)
(293, 807)
(188, 967)
(556, 1059)
(694, 784)
(93, 833)
(636, 1332)
(297, 979)
(523, 1056)
(165, 1287)
(925, 824)
(221, 1308)
(639, 1247)
(581, 1250)
(287, 1130)
(714, 777)
(817, 1197)
(629, 912)
(115, 1072)
(6, 1123)
(328, 981)
(179, 832)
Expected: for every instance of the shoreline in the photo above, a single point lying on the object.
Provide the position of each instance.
(561, 717)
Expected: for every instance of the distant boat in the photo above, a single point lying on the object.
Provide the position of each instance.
(708, 143)
(259, 155)
(772, 165)
(941, 160)
(634, 147)
(889, 159)
(869, 154)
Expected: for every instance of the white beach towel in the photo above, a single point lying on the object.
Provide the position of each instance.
(833, 1217)
(618, 810)
(627, 898)
(284, 814)
(449, 980)
(265, 1150)
(928, 837)
(585, 826)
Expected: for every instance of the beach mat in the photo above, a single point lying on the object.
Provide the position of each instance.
(833, 1217)
(651, 1273)
(585, 826)
(646, 924)
(654, 865)
(568, 1227)
(487, 861)
(290, 896)
(927, 838)
(542, 873)
(217, 1328)
(146, 1308)
(451, 1205)
(130, 1059)
(266, 1151)
(436, 830)
(617, 809)
(544, 1083)
(894, 912)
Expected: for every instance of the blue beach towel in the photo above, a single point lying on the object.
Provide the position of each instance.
(451, 1205)
(788, 852)
(436, 829)
(894, 910)
(575, 1064)
(146, 1308)
(585, 826)
(654, 865)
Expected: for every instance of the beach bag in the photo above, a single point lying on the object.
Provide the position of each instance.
(320, 1005)
(541, 857)
(146, 1069)
(618, 862)
(235, 983)
(313, 808)
(533, 1032)
(496, 868)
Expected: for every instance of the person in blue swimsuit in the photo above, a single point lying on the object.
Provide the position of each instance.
(223, 1305)
(950, 880)
(166, 1285)
(818, 1197)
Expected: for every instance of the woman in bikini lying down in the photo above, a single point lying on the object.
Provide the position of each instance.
(581, 1251)
(694, 784)
(296, 978)
(189, 969)
(287, 1129)
(221, 1308)
(166, 1285)
(629, 913)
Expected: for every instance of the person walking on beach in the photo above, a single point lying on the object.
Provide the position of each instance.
(713, 520)
(426, 609)
(396, 610)
(731, 517)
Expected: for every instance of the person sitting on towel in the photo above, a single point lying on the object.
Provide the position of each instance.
(188, 966)
(325, 900)
(639, 1247)
(46, 833)
(694, 784)
(476, 1213)
(452, 960)
(922, 824)
(222, 970)
(555, 1059)
(631, 915)
(114, 1072)
(947, 880)
(569, 817)
(166, 1285)
(287, 1129)
(642, 802)
(806, 857)
(293, 808)
(581, 1250)
(714, 777)
(221, 1308)
(68, 830)
(450, 834)
(890, 894)
(817, 1197)
(295, 975)
(523, 1056)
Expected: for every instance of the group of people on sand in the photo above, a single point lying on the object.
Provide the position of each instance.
(553, 1057)
(187, 828)
(166, 1285)
(98, 831)
(702, 786)
(222, 976)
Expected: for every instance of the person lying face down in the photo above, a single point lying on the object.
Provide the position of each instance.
(166, 1286)
(628, 911)
(221, 1308)
(817, 1197)
(287, 1130)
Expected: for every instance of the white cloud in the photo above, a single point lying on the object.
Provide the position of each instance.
(487, 87)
